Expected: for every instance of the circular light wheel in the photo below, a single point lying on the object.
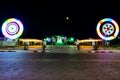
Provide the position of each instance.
(107, 29)
(12, 28)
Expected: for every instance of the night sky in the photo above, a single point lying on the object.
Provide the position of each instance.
(45, 18)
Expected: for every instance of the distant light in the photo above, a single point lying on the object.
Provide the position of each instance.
(67, 18)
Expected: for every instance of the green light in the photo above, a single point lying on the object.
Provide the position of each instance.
(71, 39)
(59, 39)
(48, 39)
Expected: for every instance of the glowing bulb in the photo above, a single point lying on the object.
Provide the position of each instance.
(67, 18)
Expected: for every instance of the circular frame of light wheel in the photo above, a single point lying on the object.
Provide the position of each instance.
(10, 20)
(107, 20)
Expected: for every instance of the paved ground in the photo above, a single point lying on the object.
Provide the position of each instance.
(59, 66)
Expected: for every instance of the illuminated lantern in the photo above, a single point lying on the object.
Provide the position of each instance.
(12, 28)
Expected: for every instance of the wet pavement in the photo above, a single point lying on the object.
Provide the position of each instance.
(23, 65)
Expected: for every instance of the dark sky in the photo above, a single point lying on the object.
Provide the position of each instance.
(48, 17)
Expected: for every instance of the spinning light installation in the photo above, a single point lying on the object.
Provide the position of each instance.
(12, 28)
(107, 29)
